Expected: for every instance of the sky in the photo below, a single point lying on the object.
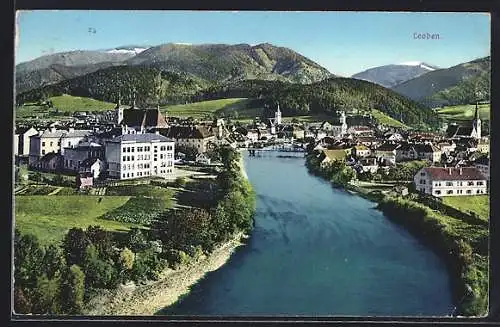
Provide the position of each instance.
(343, 42)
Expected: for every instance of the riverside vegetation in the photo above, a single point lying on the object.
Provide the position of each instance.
(461, 240)
(62, 277)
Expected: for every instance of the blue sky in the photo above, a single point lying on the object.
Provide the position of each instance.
(343, 42)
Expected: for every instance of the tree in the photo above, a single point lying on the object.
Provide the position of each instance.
(126, 263)
(72, 290)
(28, 260)
(98, 273)
(46, 296)
(136, 239)
(53, 260)
(101, 239)
(74, 244)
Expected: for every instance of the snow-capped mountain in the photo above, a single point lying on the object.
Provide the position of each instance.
(132, 50)
(392, 75)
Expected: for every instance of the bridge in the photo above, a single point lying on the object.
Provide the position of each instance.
(275, 148)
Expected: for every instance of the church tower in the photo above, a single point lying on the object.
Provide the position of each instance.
(476, 125)
(277, 116)
(119, 110)
(343, 123)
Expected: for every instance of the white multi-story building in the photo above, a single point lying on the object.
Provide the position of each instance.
(22, 140)
(439, 181)
(140, 155)
(483, 165)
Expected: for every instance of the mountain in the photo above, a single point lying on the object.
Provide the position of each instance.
(425, 86)
(222, 62)
(211, 62)
(392, 75)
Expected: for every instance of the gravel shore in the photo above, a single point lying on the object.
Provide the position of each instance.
(150, 298)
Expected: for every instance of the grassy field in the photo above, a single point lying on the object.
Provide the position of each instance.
(464, 112)
(202, 108)
(478, 204)
(386, 120)
(50, 217)
(64, 104)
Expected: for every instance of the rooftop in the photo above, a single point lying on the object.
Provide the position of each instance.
(147, 137)
(451, 174)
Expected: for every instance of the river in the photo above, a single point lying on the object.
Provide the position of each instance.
(316, 250)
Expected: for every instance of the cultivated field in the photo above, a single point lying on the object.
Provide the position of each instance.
(203, 108)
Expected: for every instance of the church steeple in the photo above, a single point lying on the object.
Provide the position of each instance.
(476, 124)
(476, 114)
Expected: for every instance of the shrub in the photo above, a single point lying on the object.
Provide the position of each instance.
(180, 181)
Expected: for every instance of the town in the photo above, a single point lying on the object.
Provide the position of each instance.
(134, 143)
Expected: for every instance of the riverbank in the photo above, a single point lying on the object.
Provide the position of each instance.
(462, 244)
(151, 298)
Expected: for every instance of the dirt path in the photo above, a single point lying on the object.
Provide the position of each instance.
(54, 192)
(149, 299)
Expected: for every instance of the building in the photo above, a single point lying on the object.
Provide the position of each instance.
(340, 128)
(140, 155)
(76, 155)
(54, 140)
(368, 164)
(483, 165)
(447, 147)
(141, 120)
(22, 140)
(198, 137)
(361, 151)
(203, 159)
(328, 156)
(360, 130)
(439, 181)
(419, 151)
(386, 153)
(84, 180)
(50, 162)
(472, 130)
(94, 166)
(483, 145)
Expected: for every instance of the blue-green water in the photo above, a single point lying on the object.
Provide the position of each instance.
(316, 250)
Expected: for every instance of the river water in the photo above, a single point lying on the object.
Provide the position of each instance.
(316, 250)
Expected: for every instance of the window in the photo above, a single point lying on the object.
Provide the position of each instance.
(449, 192)
(422, 189)
(132, 158)
(468, 191)
(449, 183)
(43, 143)
(422, 174)
(132, 149)
(479, 183)
(470, 183)
(477, 191)
(162, 148)
(437, 192)
(123, 175)
(161, 155)
(59, 143)
(43, 151)
(169, 148)
(51, 143)
(124, 158)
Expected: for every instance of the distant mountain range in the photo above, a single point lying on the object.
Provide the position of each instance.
(426, 86)
(210, 62)
(392, 75)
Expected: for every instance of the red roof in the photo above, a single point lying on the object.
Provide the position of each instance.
(449, 174)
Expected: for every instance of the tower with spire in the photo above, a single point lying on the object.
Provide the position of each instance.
(277, 116)
(119, 109)
(476, 125)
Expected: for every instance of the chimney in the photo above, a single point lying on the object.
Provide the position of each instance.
(460, 170)
(449, 171)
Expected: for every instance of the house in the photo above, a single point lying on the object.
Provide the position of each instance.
(294, 131)
(367, 140)
(418, 151)
(361, 151)
(340, 128)
(483, 165)
(360, 131)
(386, 153)
(74, 156)
(483, 145)
(401, 190)
(447, 146)
(253, 135)
(369, 164)
(139, 120)
(94, 166)
(328, 156)
(203, 159)
(54, 140)
(438, 181)
(84, 180)
(198, 137)
(393, 136)
(49, 162)
(139, 155)
(22, 140)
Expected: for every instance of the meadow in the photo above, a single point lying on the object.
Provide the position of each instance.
(464, 112)
(203, 108)
(479, 204)
(50, 217)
